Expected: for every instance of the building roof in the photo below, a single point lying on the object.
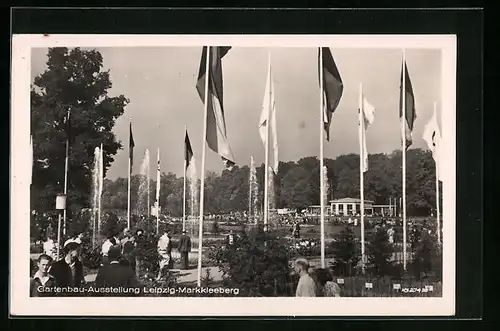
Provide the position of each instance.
(349, 200)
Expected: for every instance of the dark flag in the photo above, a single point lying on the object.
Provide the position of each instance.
(67, 127)
(131, 147)
(216, 123)
(332, 87)
(410, 112)
(188, 151)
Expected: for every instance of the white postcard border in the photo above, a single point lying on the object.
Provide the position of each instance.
(22, 304)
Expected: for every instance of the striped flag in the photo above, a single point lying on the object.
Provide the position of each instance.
(216, 123)
(332, 87)
(188, 151)
(432, 137)
(367, 116)
(409, 106)
(131, 146)
(269, 112)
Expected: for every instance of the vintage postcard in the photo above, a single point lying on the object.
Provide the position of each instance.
(233, 175)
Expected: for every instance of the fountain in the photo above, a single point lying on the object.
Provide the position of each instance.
(271, 194)
(253, 196)
(325, 185)
(95, 194)
(143, 192)
(193, 195)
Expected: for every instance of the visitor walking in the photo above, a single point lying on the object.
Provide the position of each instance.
(68, 271)
(184, 249)
(108, 243)
(49, 248)
(116, 275)
(326, 286)
(306, 286)
(164, 250)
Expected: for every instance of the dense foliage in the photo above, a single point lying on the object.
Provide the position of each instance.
(257, 263)
(379, 253)
(297, 184)
(346, 253)
(73, 81)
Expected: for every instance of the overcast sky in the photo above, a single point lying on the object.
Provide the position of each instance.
(160, 83)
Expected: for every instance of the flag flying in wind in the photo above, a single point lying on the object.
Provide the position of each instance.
(67, 127)
(269, 112)
(216, 123)
(409, 106)
(131, 146)
(188, 151)
(367, 116)
(432, 137)
(332, 86)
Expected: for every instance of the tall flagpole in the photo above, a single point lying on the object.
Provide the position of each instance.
(250, 190)
(202, 184)
(390, 207)
(158, 179)
(438, 209)
(148, 188)
(129, 173)
(266, 168)
(361, 174)
(321, 174)
(100, 184)
(184, 193)
(66, 177)
(403, 126)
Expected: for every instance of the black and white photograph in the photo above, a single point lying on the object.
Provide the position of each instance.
(238, 169)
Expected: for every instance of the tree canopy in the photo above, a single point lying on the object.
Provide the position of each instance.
(296, 184)
(73, 81)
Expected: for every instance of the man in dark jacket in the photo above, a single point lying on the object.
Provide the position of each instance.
(184, 249)
(116, 275)
(68, 272)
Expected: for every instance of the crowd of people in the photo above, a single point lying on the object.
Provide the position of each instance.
(120, 263)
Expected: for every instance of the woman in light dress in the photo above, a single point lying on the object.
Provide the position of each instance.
(326, 286)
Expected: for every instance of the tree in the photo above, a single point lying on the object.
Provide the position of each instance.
(379, 253)
(296, 188)
(296, 185)
(74, 80)
(345, 253)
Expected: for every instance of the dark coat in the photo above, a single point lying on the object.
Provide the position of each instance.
(185, 244)
(34, 287)
(116, 275)
(62, 274)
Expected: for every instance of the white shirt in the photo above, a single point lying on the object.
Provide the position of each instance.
(106, 246)
(306, 287)
(43, 279)
(163, 243)
(48, 247)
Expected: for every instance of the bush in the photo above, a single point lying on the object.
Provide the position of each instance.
(257, 264)
(147, 255)
(380, 253)
(345, 252)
